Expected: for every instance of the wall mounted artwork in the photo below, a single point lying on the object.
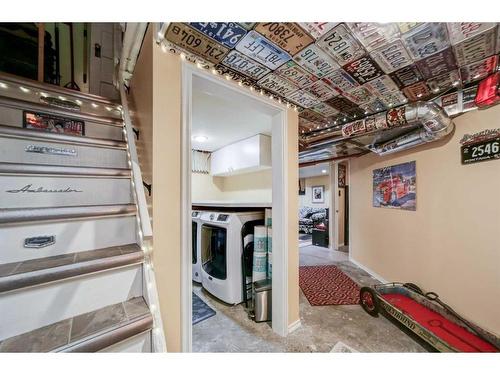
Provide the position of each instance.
(318, 194)
(395, 186)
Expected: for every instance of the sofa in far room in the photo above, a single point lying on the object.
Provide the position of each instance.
(309, 217)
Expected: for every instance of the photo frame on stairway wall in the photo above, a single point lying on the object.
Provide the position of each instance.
(318, 194)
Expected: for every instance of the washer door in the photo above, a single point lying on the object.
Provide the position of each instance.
(214, 251)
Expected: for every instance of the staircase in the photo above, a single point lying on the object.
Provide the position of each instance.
(74, 273)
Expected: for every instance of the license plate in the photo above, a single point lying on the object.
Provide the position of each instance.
(468, 96)
(444, 81)
(245, 65)
(426, 40)
(321, 90)
(248, 25)
(315, 61)
(476, 48)
(359, 95)
(286, 35)
(417, 91)
(354, 128)
(317, 29)
(459, 31)
(341, 104)
(276, 84)
(382, 85)
(303, 99)
(260, 49)
(449, 103)
(341, 44)
(374, 35)
(295, 74)
(392, 57)
(234, 75)
(437, 64)
(195, 42)
(311, 116)
(392, 99)
(53, 124)
(226, 33)
(363, 70)
(406, 76)
(324, 109)
(481, 151)
(341, 80)
(376, 105)
(478, 70)
(404, 27)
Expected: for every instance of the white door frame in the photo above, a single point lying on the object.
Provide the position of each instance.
(279, 204)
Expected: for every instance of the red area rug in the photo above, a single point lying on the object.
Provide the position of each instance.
(327, 285)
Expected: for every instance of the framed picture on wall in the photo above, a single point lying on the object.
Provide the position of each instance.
(395, 186)
(318, 194)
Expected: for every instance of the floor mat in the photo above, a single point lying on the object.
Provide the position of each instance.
(201, 310)
(327, 285)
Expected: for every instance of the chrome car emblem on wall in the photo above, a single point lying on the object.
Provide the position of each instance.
(29, 189)
(50, 150)
(39, 241)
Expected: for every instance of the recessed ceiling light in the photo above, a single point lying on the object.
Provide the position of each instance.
(419, 95)
(323, 171)
(200, 138)
(24, 89)
(94, 105)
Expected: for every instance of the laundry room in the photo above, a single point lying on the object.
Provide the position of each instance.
(231, 195)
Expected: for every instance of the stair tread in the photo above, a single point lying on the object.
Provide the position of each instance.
(62, 335)
(31, 272)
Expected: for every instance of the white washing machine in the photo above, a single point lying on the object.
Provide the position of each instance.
(196, 257)
(221, 253)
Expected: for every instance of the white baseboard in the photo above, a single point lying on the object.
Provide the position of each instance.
(294, 326)
(366, 269)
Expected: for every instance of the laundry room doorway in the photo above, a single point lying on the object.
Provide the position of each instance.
(250, 142)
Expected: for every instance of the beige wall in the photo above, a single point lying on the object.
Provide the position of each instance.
(255, 187)
(450, 244)
(306, 200)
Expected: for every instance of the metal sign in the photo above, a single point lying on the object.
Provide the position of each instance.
(468, 96)
(56, 102)
(341, 45)
(426, 40)
(374, 35)
(394, 98)
(478, 70)
(418, 91)
(406, 76)
(39, 242)
(303, 99)
(404, 27)
(392, 56)
(286, 35)
(295, 74)
(226, 33)
(476, 48)
(315, 61)
(324, 109)
(451, 103)
(195, 42)
(341, 80)
(245, 65)
(359, 95)
(437, 64)
(317, 29)
(488, 149)
(363, 70)
(321, 90)
(260, 49)
(312, 116)
(53, 124)
(247, 25)
(341, 104)
(444, 81)
(277, 84)
(459, 31)
(382, 85)
(50, 150)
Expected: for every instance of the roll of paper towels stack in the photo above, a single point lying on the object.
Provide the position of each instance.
(259, 269)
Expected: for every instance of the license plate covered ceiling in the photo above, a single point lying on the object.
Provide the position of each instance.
(336, 72)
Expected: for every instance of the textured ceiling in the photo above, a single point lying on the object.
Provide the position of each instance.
(339, 72)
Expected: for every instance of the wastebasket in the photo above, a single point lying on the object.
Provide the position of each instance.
(263, 300)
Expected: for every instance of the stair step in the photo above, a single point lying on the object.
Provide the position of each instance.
(42, 169)
(26, 215)
(44, 270)
(89, 332)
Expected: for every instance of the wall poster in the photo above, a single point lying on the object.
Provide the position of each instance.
(395, 186)
(318, 194)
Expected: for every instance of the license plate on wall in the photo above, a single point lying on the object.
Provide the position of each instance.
(315, 61)
(324, 109)
(295, 74)
(341, 80)
(437, 64)
(317, 29)
(341, 44)
(312, 116)
(406, 76)
(260, 49)
(275, 83)
(302, 98)
(374, 35)
(478, 70)
(286, 35)
(426, 40)
(321, 90)
(245, 65)
(359, 95)
(382, 85)
(476, 48)
(226, 33)
(459, 31)
(196, 42)
(363, 70)
(444, 81)
(481, 151)
(417, 91)
(392, 56)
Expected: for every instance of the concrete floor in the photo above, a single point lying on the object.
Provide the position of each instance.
(322, 327)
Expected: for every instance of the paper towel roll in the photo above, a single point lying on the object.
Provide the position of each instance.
(260, 240)
(269, 253)
(259, 270)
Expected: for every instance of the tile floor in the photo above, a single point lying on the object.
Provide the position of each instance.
(322, 327)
